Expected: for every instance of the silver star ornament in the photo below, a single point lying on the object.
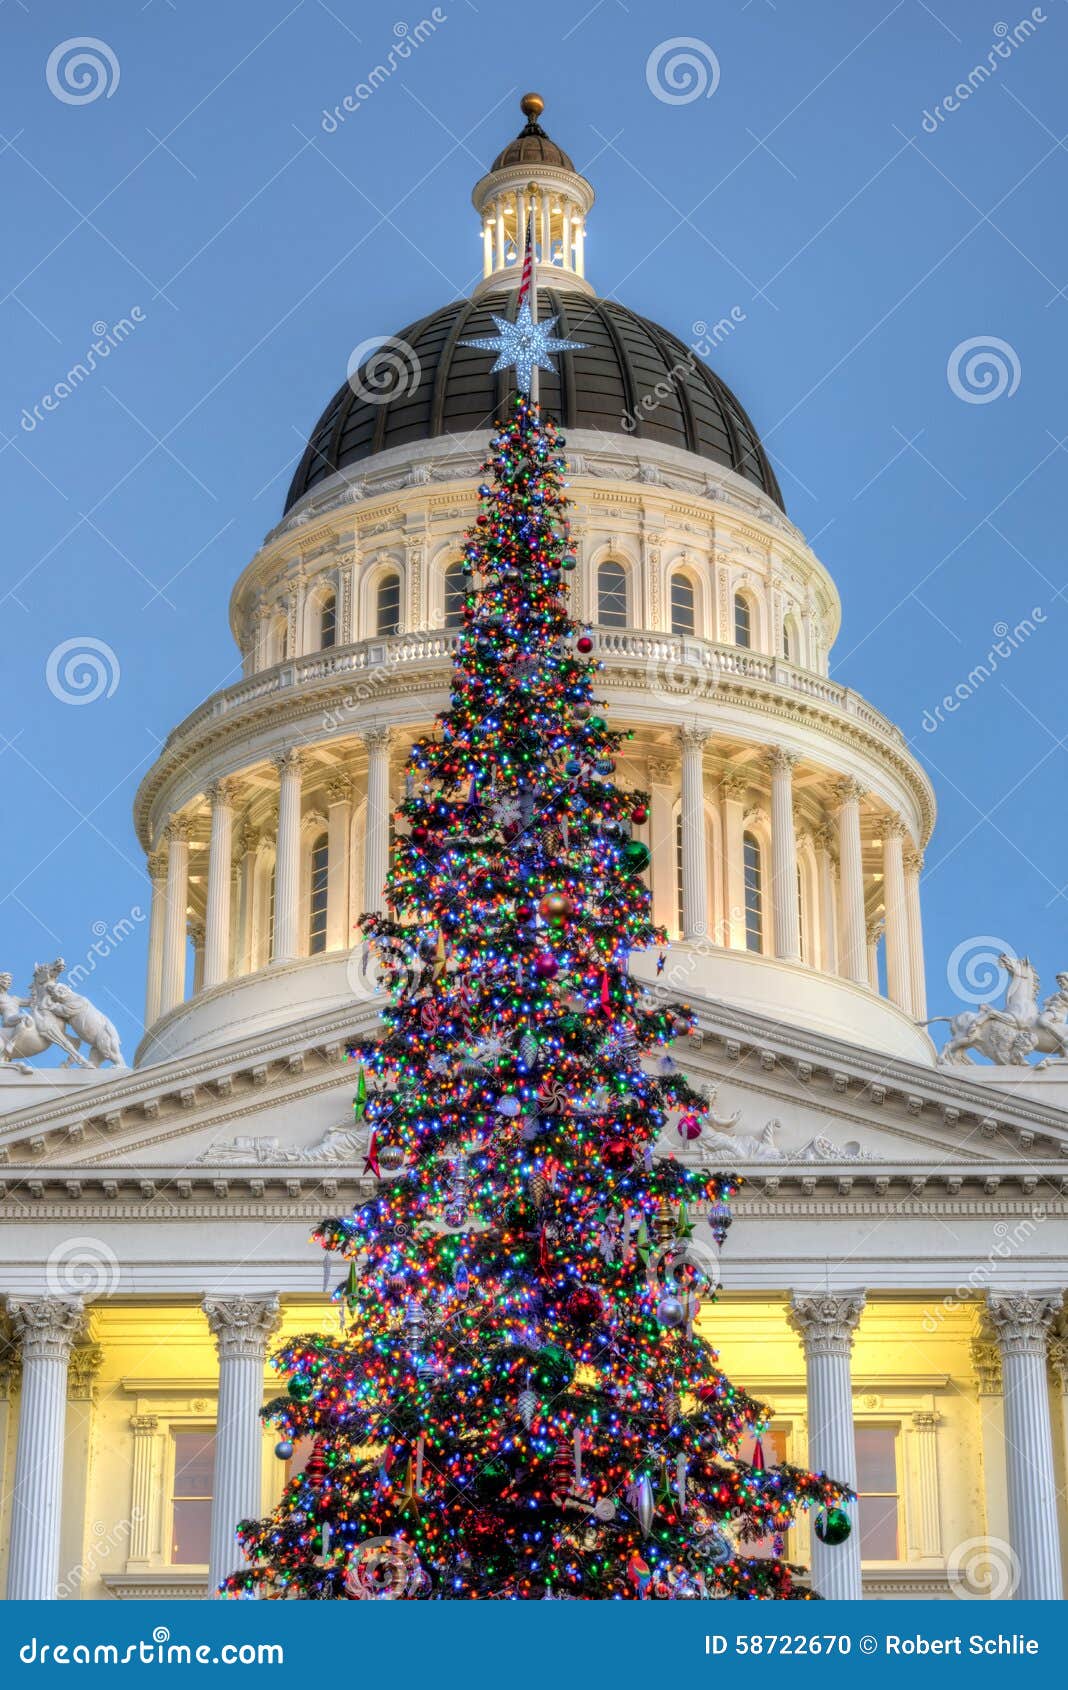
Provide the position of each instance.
(524, 345)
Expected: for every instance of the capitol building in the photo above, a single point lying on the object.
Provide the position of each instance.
(894, 1280)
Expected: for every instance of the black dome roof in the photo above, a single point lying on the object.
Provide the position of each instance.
(626, 357)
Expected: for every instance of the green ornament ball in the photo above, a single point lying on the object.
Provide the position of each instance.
(635, 856)
(300, 1389)
(833, 1526)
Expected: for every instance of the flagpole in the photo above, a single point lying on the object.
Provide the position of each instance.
(535, 385)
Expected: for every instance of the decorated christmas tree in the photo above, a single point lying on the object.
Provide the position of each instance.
(518, 1403)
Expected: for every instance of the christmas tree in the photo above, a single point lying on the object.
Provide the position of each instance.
(518, 1404)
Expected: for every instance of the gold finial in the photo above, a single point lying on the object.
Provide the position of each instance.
(532, 106)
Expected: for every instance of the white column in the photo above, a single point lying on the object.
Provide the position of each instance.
(339, 829)
(825, 860)
(986, 1364)
(157, 874)
(498, 214)
(47, 1329)
(174, 931)
(196, 932)
(220, 850)
(487, 246)
(546, 227)
(733, 790)
(913, 864)
(580, 246)
(143, 1487)
(926, 1519)
(569, 258)
(873, 932)
(247, 848)
(243, 1327)
(786, 926)
(1021, 1325)
(694, 846)
(290, 765)
(825, 1325)
(854, 960)
(376, 826)
(662, 778)
(898, 962)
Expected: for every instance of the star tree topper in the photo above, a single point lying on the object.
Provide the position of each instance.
(524, 345)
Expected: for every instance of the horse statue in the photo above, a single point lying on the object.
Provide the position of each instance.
(53, 1014)
(1008, 1036)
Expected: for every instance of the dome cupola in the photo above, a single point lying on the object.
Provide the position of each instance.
(533, 177)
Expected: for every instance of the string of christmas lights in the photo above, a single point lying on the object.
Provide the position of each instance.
(518, 1404)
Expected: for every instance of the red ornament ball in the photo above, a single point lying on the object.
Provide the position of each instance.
(616, 1152)
(584, 1308)
(584, 644)
(545, 965)
(524, 912)
(689, 1127)
(640, 815)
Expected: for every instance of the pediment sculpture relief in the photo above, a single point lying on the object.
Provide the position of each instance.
(341, 1144)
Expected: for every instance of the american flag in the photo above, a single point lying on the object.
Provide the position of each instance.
(528, 261)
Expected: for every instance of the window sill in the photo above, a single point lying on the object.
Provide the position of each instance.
(168, 1584)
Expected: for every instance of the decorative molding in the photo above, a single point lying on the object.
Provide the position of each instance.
(826, 1323)
(242, 1326)
(1020, 1322)
(46, 1328)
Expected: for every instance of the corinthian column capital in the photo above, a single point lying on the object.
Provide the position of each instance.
(826, 1323)
(1022, 1322)
(242, 1326)
(47, 1328)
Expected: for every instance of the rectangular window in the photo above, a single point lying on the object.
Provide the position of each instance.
(194, 1468)
(743, 622)
(682, 604)
(878, 1493)
(754, 894)
(320, 870)
(328, 623)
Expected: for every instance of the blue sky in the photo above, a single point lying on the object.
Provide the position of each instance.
(864, 243)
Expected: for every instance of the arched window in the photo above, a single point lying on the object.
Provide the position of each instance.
(320, 864)
(612, 594)
(788, 641)
(682, 604)
(387, 618)
(455, 595)
(754, 893)
(743, 621)
(328, 622)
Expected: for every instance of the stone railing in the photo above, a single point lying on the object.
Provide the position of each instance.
(374, 660)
